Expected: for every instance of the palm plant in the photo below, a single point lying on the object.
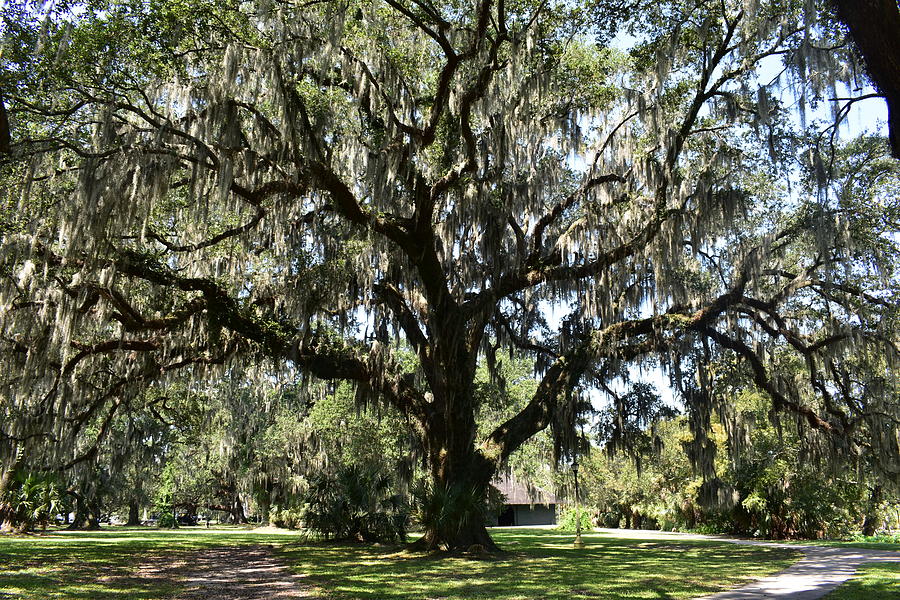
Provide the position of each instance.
(355, 503)
(34, 497)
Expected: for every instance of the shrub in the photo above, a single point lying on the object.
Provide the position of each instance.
(288, 518)
(567, 518)
(355, 504)
(448, 510)
(33, 498)
(166, 518)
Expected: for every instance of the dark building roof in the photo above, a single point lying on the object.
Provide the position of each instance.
(519, 493)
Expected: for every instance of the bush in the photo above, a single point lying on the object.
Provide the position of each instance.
(166, 519)
(33, 497)
(288, 518)
(355, 504)
(610, 520)
(567, 518)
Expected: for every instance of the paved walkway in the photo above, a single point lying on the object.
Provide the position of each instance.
(818, 573)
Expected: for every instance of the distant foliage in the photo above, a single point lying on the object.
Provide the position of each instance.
(355, 504)
(567, 518)
(767, 487)
(288, 518)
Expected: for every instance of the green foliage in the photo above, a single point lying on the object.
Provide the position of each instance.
(767, 486)
(288, 518)
(567, 518)
(166, 517)
(344, 433)
(355, 504)
(34, 498)
(783, 492)
(166, 495)
(884, 538)
(504, 385)
(446, 511)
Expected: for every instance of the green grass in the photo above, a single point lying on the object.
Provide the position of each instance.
(539, 564)
(100, 565)
(874, 580)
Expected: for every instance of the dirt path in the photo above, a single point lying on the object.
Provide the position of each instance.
(820, 571)
(231, 573)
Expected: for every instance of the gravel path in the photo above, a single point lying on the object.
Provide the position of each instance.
(230, 573)
(818, 573)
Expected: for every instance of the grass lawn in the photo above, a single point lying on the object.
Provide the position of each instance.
(539, 564)
(99, 565)
(874, 580)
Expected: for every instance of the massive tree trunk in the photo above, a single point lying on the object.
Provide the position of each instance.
(5, 137)
(7, 516)
(134, 517)
(8, 521)
(460, 471)
(264, 501)
(237, 511)
(461, 476)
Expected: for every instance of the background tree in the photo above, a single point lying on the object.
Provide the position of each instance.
(198, 187)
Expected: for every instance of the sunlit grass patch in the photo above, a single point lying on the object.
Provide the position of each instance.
(873, 580)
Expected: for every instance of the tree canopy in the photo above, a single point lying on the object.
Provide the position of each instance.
(393, 192)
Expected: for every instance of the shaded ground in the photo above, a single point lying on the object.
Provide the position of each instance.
(235, 564)
(233, 573)
(538, 564)
(115, 563)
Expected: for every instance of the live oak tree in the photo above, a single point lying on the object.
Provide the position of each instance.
(196, 187)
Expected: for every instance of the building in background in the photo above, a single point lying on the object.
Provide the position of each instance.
(525, 504)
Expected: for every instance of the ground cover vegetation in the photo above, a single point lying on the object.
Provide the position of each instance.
(252, 251)
(872, 581)
(540, 563)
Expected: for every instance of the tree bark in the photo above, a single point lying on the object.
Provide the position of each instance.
(870, 523)
(134, 517)
(875, 28)
(8, 521)
(5, 137)
(87, 514)
(237, 512)
(459, 470)
(7, 516)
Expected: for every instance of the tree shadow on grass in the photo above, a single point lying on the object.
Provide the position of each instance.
(537, 564)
